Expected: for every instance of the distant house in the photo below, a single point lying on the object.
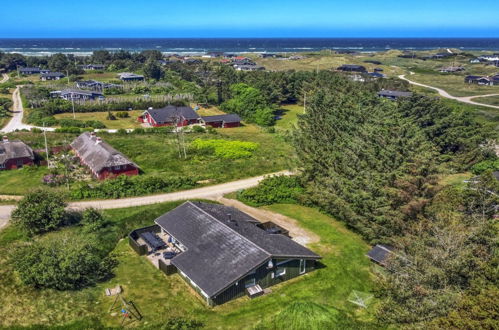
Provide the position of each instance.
(352, 68)
(452, 69)
(169, 116)
(94, 84)
(393, 95)
(373, 62)
(126, 76)
(77, 95)
(52, 76)
(92, 67)
(240, 60)
(481, 80)
(475, 60)
(239, 67)
(380, 254)
(221, 252)
(376, 75)
(190, 60)
(29, 71)
(489, 58)
(222, 121)
(102, 159)
(15, 154)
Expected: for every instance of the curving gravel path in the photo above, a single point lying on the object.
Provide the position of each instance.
(5, 77)
(443, 93)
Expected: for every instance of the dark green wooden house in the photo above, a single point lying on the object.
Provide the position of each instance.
(224, 253)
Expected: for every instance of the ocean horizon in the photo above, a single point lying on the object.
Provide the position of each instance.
(85, 46)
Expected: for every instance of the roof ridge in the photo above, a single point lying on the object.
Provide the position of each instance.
(246, 239)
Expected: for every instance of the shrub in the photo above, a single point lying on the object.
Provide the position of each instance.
(124, 186)
(72, 130)
(272, 190)
(110, 116)
(225, 148)
(66, 264)
(489, 164)
(198, 129)
(122, 114)
(180, 323)
(40, 211)
(139, 131)
(122, 131)
(92, 220)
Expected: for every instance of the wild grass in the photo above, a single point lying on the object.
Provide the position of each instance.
(130, 122)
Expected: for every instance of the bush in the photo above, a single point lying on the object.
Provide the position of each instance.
(124, 186)
(40, 211)
(179, 323)
(490, 164)
(66, 264)
(72, 130)
(122, 114)
(198, 129)
(92, 220)
(225, 149)
(273, 190)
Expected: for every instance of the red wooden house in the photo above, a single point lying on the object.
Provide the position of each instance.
(170, 116)
(102, 159)
(15, 154)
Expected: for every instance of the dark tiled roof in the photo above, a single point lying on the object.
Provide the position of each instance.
(223, 244)
(14, 149)
(388, 93)
(52, 74)
(80, 92)
(98, 155)
(30, 69)
(168, 113)
(380, 253)
(352, 67)
(228, 118)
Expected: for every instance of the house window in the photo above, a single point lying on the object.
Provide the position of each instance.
(303, 266)
(250, 282)
(281, 271)
(117, 168)
(2, 165)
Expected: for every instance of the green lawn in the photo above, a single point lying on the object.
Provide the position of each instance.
(130, 122)
(289, 116)
(159, 297)
(453, 84)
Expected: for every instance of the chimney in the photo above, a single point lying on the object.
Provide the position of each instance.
(5, 139)
(98, 140)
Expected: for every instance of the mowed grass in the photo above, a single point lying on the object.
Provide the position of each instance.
(20, 181)
(130, 122)
(158, 297)
(288, 116)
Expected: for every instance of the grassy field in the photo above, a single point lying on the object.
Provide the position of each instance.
(159, 297)
(157, 154)
(288, 115)
(130, 122)
(492, 100)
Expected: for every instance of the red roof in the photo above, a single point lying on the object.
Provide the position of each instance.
(240, 58)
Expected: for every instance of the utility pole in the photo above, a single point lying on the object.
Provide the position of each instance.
(46, 145)
(73, 104)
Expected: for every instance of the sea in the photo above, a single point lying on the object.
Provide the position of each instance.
(195, 46)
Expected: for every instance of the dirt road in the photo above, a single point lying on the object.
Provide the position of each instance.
(5, 77)
(443, 93)
(16, 123)
(210, 192)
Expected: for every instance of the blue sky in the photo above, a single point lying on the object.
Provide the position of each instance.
(255, 18)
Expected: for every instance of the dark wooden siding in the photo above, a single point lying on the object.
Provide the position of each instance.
(263, 277)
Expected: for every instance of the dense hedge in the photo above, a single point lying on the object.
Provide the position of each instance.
(124, 186)
(272, 190)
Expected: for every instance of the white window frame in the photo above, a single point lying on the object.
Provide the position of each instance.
(251, 279)
(280, 272)
(303, 263)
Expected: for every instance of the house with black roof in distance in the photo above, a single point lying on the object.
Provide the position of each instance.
(95, 85)
(51, 76)
(129, 77)
(101, 158)
(221, 252)
(222, 121)
(352, 68)
(169, 116)
(482, 80)
(77, 95)
(29, 71)
(92, 67)
(15, 154)
(393, 95)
